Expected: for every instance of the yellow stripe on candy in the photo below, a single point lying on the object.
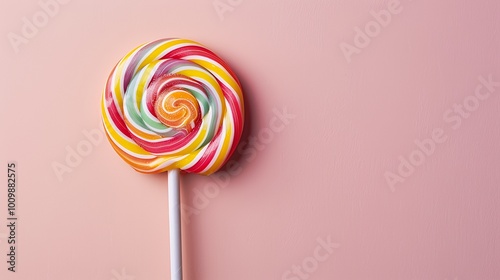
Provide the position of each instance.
(226, 146)
(157, 53)
(222, 74)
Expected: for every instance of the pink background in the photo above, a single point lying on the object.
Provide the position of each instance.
(322, 175)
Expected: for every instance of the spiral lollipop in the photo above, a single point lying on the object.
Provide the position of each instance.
(173, 105)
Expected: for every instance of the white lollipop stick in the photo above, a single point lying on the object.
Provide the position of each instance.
(174, 203)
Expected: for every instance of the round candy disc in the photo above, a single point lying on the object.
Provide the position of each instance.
(173, 104)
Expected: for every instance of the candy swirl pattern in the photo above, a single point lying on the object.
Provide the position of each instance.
(173, 103)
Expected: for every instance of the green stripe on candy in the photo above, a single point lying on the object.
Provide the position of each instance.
(131, 97)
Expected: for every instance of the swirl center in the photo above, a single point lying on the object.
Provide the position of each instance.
(177, 108)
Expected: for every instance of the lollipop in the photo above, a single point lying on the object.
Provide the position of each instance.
(173, 105)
